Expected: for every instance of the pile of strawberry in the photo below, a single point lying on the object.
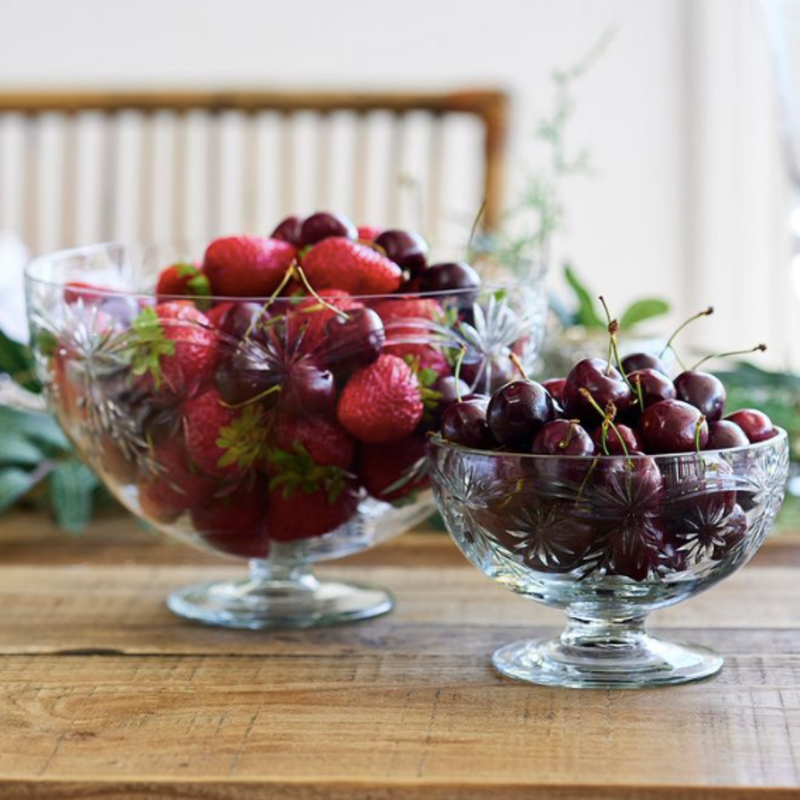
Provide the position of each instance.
(275, 385)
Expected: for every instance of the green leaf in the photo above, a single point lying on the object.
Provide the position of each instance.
(149, 345)
(17, 361)
(641, 310)
(39, 426)
(72, 486)
(16, 449)
(587, 316)
(15, 483)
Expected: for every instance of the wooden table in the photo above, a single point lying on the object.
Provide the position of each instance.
(103, 693)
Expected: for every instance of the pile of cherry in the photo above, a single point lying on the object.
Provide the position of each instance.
(619, 510)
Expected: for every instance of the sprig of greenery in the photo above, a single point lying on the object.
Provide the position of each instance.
(295, 470)
(244, 439)
(149, 344)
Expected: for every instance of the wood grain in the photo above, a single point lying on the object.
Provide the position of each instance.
(103, 693)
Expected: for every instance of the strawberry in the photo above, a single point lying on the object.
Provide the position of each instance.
(390, 472)
(235, 524)
(174, 346)
(217, 314)
(176, 488)
(221, 440)
(381, 403)
(326, 441)
(88, 292)
(368, 233)
(306, 498)
(348, 265)
(184, 279)
(247, 266)
(310, 316)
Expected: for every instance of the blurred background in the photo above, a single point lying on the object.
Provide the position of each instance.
(647, 143)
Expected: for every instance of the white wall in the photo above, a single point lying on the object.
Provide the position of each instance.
(629, 225)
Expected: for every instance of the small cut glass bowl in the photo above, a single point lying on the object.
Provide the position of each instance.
(217, 420)
(608, 539)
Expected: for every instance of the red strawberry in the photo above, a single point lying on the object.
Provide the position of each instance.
(356, 268)
(235, 524)
(176, 488)
(389, 472)
(247, 266)
(311, 316)
(301, 515)
(217, 314)
(368, 233)
(222, 440)
(173, 344)
(88, 292)
(381, 403)
(326, 441)
(183, 279)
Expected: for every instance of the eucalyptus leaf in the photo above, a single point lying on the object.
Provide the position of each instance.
(15, 483)
(16, 449)
(72, 486)
(641, 310)
(36, 425)
(16, 360)
(587, 315)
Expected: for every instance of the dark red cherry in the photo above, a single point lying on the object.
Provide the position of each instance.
(290, 230)
(655, 386)
(449, 277)
(323, 225)
(556, 388)
(449, 388)
(353, 341)
(407, 249)
(636, 361)
(612, 441)
(724, 434)
(465, 423)
(604, 384)
(562, 438)
(757, 426)
(702, 390)
(240, 318)
(308, 389)
(242, 377)
(673, 426)
(517, 411)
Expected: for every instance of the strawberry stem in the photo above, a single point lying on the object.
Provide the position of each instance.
(759, 348)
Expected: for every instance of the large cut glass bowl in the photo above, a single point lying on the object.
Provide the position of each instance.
(608, 539)
(218, 422)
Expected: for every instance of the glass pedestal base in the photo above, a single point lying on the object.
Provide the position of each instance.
(279, 599)
(605, 656)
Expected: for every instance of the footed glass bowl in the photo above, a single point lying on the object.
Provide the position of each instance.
(608, 540)
(282, 431)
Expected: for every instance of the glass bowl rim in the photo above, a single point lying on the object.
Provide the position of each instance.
(439, 441)
(38, 261)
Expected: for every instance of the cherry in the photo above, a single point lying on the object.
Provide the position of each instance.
(449, 277)
(604, 384)
(323, 225)
(517, 411)
(702, 390)
(487, 374)
(407, 249)
(238, 319)
(562, 437)
(243, 377)
(637, 361)
(556, 388)
(757, 426)
(354, 341)
(724, 434)
(655, 386)
(673, 426)
(465, 423)
(307, 389)
(612, 443)
(290, 230)
(451, 389)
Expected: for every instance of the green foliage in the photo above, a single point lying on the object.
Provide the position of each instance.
(16, 360)
(149, 344)
(296, 470)
(244, 439)
(586, 314)
(641, 310)
(72, 487)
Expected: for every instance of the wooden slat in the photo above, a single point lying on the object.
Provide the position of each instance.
(397, 149)
(213, 174)
(324, 163)
(180, 156)
(30, 181)
(250, 171)
(433, 194)
(69, 193)
(360, 164)
(109, 177)
(147, 176)
(286, 164)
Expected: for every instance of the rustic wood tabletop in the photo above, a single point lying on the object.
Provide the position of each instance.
(103, 693)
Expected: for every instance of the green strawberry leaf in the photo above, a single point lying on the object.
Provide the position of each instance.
(149, 344)
(243, 440)
(297, 471)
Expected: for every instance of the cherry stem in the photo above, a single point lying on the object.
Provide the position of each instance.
(604, 436)
(638, 390)
(706, 312)
(564, 443)
(518, 364)
(759, 348)
(697, 428)
(457, 372)
(608, 416)
(474, 229)
(281, 286)
(313, 293)
(255, 399)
